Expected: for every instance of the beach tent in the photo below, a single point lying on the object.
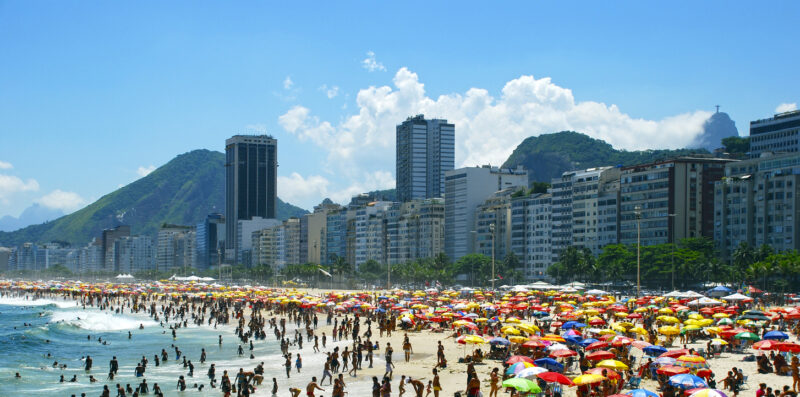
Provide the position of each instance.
(704, 302)
(692, 294)
(719, 291)
(674, 294)
(124, 277)
(597, 292)
(736, 297)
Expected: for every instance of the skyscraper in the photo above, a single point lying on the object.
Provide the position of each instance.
(251, 163)
(425, 151)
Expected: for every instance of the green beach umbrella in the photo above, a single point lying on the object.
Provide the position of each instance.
(522, 384)
(747, 335)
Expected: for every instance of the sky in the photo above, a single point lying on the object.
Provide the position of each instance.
(94, 95)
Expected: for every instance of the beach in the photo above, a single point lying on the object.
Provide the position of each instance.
(65, 325)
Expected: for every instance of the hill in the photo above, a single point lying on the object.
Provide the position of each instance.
(183, 192)
(549, 155)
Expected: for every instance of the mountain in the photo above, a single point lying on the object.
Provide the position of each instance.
(30, 216)
(547, 156)
(718, 127)
(183, 192)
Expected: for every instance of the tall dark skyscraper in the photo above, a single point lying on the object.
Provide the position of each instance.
(425, 151)
(251, 164)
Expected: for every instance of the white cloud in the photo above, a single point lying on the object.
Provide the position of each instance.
(288, 83)
(488, 128)
(371, 64)
(61, 200)
(309, 191)
(786, 107)
(5, 165)
(331, 91)
(144, 171)
(10, 185)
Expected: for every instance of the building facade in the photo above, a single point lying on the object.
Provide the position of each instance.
(780, 133)
(251, 163)
(757, 203)
(107, 240)
(465, 190)
(210, 241)
(425, 152)
(669, 200)
(175, 247)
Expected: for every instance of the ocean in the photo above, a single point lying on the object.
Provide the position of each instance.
(60, 329)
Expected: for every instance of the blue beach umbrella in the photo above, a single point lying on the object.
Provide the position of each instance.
(687, 381)
(641, 393)
(550, 364)
(654, 350)
(776, 335)
(499, 341)
(587, 342)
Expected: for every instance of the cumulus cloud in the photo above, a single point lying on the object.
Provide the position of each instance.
(786, 107)
(5, 165)
(309, 191)
(61, 200)
(488, 127)
(331, 92)
(10, 185)
(288, 83)
(371, 64)
(144, 171)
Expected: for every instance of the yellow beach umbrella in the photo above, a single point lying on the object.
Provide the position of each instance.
(612, 364)
(588, 379)
(669, 330)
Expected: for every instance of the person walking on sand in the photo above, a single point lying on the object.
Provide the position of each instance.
(407, 350)
(312, 386)
(437, 386)
(494, 382)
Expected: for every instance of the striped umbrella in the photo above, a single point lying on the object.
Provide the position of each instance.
(709, 393)
(691, 361)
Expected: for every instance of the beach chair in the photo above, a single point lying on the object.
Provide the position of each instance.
(744, 384)
(633, 382)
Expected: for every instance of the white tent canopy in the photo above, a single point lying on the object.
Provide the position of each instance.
(597, 292)
(124, 277)
(190, 278)
(736, 297)
(704, 301)
(674, 294)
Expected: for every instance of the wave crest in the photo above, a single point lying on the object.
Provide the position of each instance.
(99, 321)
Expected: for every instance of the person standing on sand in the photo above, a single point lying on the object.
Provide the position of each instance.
(312, 386)
(474, 387)
(494, 382)
(437, 386)
(795, 373)
(407, 349)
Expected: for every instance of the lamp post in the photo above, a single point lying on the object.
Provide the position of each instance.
(491, 230)
(638, 211)
(672, 237)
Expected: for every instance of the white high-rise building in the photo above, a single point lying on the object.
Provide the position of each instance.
(466, 189)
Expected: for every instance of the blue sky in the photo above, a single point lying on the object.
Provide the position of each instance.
(92, 94)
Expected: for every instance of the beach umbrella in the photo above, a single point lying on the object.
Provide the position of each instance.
(671, 370)
(555, 377)
(641, 393)
(563, 353)
(669, 330)
(550, 364)
(776, 335)
(790, 347)
(517, 359)
(530, 372)
(665, 361)
(531, 344)
(654, 350)
(515, 368)
(522, 384)
(691, 361)
(718, 342)
(609, 373)
(746, 336)
(766, 345)
(687, 381)
(708, 393)
(600, 355)
(597, 345)
(612, 364)
(499, 341)
(588, 379)
(676, 353)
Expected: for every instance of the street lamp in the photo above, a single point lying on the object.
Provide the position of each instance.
(638, 211)
(672, 237)
(491, 230)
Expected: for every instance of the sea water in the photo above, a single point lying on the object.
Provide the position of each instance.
(61, 329)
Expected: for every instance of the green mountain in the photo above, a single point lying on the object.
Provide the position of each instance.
(183, 192)
(547, 156)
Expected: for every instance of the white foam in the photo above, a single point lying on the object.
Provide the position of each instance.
(9, 301)
(99, 321)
